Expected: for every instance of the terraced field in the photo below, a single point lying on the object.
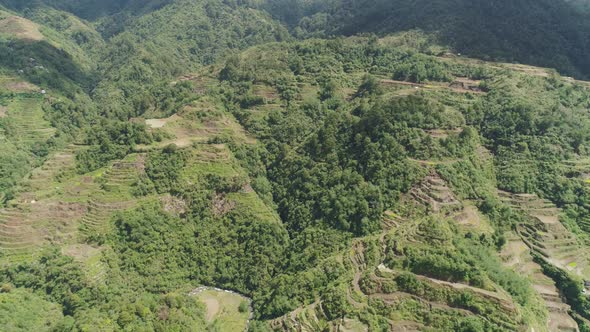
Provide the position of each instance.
(517, 256)
(90, 259)
(38, 216)
(18, 239)
(378, 277)
(197, 123)
(27, 227)
(545, 235)
(58, 207)
(303, 319)
(27, 119)
(50, 210)
(434, 194)
(460, 85)
(370, 282)
(114, 194)
(579, 168)
(45, 178)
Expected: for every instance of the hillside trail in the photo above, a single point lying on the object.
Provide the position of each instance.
(435, 162)
(460, 85)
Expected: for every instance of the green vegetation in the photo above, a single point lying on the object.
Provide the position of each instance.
(515, 31)
(150, 151)
(22, 310)
(225, 311)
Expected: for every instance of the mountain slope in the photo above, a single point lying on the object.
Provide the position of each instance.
(546, 33)
(88, 9)
(354, 183)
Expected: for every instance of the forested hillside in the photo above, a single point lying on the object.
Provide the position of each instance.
(89, 9)
(583, 5)
(545, 33)
(294, 166)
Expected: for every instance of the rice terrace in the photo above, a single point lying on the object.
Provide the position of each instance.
(290, 165)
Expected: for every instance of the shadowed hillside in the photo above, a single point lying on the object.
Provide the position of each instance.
(545, 33)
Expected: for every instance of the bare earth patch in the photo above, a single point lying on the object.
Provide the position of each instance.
(3, 110)
(173, 205)
(352, 325)
(20, 28)
(160, 123)
(19, 86)
(212, 308)
(464, 84)
(266, 92)
(222, 205)
(223, 308)
(470, 218)
(443, 133)
(80, 252)
(516, 255)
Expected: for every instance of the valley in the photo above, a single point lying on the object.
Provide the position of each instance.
(226, 166)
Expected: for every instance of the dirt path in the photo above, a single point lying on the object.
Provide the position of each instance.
(501, 298)
(212, 308)
(454, 86)
(432, 305)
(434, 162)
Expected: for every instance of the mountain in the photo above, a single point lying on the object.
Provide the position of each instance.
(88, 9)
(583, 5)
(545, 33)
(289, 165)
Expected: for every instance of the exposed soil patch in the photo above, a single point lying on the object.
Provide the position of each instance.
(160, 123)
(352, 325)
(81, 252)
(212, 308)
(223, 308)
(470, 218)
(434, 193)
(59, 210)
(247, 188)
(173, 205)
(516, 255)
(201, 83)
(16, 85)
(20, 28)
(461, 85)
(530, 70)
(443, 133)
(3, 110)
(20, 86)
(388, 81)
(464, 84)
(222, 205)
(267, 92)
